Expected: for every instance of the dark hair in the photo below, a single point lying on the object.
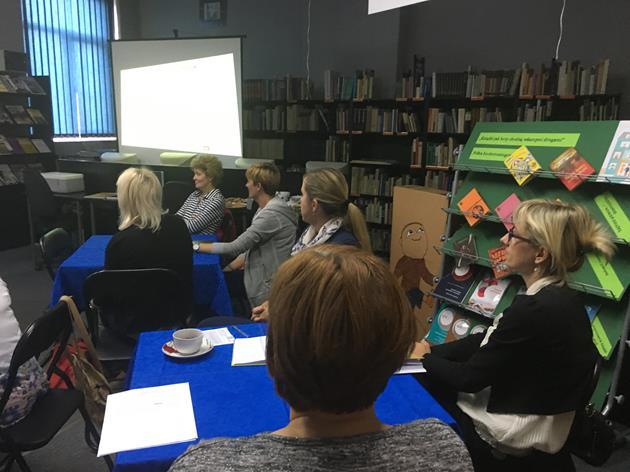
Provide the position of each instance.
(339, 327)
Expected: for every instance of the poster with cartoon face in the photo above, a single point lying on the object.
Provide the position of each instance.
(418, 224)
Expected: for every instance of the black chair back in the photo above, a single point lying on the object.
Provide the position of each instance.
(44, 208)
(175, 194)
(54, 326)
(131, 301)
(56, 246)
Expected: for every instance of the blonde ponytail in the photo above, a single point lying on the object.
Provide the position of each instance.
(355, 222)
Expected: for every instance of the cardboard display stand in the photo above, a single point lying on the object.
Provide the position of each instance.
(418, 226)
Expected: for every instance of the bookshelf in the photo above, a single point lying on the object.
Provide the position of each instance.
(26, 134)
(604, 285)
(417, 136)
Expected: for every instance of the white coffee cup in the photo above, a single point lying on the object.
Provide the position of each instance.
(187, 341)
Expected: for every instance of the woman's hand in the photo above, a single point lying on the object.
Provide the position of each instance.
(261, 312)
(420, 350)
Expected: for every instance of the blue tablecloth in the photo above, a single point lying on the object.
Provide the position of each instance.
(239, 401)
(209, 287)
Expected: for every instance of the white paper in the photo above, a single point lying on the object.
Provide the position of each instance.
(411, 367)
(147, 417)
(219, 337)
(249, 351)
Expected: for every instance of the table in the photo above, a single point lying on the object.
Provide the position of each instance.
(238, 401)
(209, 286)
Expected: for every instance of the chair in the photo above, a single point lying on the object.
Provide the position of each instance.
(175, 194)
(56, 246)
(45, 211)
(561, 461)
(227, 231)
(127, 302)
(52, 410)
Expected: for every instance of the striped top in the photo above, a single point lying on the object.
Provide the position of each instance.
(203, 214)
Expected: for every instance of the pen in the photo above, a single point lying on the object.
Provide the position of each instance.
(239, 330)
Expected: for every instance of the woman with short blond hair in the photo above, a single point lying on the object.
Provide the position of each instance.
(203, 209)
(340, 326)
(147, 238)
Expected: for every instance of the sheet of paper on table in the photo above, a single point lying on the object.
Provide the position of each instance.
(411, 367)
(219, 337)
(147, 417)
(249, 351)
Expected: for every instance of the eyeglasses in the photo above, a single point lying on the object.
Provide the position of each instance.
(511, 236)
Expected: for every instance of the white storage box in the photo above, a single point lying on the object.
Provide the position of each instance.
(64, 182)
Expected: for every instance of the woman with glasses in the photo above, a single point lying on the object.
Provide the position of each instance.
(514, 390)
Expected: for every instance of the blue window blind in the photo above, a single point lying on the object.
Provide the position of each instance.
(68, 41)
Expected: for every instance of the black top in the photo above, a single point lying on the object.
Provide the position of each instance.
(343, 237)
(538, 361)
(168, 248)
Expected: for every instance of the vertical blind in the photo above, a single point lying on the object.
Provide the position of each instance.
(68, 40)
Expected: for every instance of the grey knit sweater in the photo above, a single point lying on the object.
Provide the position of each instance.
(423, 445)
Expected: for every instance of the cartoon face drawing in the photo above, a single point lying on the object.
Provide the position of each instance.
(413, 240)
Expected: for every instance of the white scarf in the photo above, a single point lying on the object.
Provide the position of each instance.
(310, 239)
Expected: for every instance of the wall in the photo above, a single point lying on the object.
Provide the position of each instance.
(11, 35)
(343, 37)
(453, 34)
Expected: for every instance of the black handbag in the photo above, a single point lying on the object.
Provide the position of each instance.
(592, 436)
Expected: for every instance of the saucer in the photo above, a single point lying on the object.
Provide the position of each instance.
(205, 348)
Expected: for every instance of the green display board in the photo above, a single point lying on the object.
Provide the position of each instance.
(605, 284)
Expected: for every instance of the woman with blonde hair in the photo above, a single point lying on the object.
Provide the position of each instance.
(340, 327)
(516, 388)
(203, 209)
(148, 238)
(331, 217)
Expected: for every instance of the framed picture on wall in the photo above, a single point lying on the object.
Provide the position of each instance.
(213, 11)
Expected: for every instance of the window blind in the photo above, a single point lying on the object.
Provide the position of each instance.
(68, 40)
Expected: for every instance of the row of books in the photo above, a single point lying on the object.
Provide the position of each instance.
(564, 78)
(386, 121)
(11, 145)
(11, 174)
(359, 87)
(265, 118)
(380, 239)
(17, 114)
(263, 148)
(287, 88)
(20, 84)
(539, 111)
(443, 154)
(375, 210)
(415, 159)
(591, 110)
(377, 182)
(438, 180)
(337, 150)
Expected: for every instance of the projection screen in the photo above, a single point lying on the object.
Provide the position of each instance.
(179, 95)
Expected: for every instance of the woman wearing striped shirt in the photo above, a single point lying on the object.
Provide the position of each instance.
(203, 209)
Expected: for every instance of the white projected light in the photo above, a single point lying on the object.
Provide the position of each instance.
(377, 6)
(189, 105)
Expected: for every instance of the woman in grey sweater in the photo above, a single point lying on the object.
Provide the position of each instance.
(267, 242)
(340, 327)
